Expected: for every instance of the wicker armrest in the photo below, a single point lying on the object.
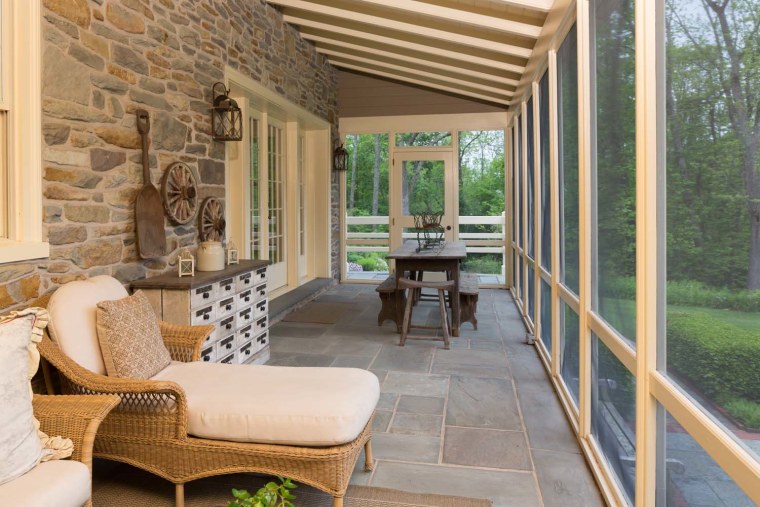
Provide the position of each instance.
(184, 342)
(74, 417)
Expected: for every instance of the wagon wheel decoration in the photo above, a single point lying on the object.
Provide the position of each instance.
(180, 193)
(211, 218)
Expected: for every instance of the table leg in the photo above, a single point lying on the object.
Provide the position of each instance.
(455, 320)
(398, 294)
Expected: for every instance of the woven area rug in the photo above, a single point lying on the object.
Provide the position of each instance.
(319, 313)
(129, 487)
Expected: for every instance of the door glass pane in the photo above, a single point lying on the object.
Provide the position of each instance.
(518, 273)
(423, 139)
(613, 414)
(692, 478)
(520, 276)
(481, 201)
(301, 205)
(276, 197)
(546, 316)
(713, 215)
(567, 112)
(422, 186)
(253, 142)
(530, 291)
(367, 243)
(531, 179)
(614, 235)
(570, 353)
(543, 107)
(519, 185)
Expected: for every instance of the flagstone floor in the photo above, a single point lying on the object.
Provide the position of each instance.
(479, 420)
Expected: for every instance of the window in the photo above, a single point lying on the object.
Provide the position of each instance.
(21, 167)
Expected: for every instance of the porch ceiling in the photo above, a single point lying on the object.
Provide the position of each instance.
(477, 49)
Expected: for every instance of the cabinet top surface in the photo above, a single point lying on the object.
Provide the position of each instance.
(172, 281)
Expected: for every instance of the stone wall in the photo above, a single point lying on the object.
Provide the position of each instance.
(102, 60)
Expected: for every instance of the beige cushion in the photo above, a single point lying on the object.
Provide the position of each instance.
(130, 338)
(275, 404)
(72, 318)
(20, 447)
(59, 483)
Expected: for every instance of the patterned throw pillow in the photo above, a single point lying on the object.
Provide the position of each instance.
(130, 338)
(20, 445)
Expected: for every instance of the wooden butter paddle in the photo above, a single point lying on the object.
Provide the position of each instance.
(149, 212)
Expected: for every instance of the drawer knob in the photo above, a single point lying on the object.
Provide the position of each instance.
(228, 326)
(205, 295)
(229, 346)
(247, 299)
(228, 307)
(227, 287)
(247, 352)
(206, 358)
(206, 317)
(247, 281)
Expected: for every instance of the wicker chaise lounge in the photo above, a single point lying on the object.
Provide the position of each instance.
(156, 426)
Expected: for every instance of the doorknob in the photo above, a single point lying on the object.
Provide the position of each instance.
(448, 227)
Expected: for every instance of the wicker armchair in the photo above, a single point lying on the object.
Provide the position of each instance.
(149, 428)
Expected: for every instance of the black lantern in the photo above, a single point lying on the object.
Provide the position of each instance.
(339, 158)
(226, 117)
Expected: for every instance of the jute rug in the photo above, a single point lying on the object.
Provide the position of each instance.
(319, 313)
(129, 487)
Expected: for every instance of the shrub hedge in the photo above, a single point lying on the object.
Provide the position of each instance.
(720, 359)
(689, 293)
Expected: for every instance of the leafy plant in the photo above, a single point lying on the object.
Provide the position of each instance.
(271, 494)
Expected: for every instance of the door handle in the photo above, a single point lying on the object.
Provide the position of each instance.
(448, 227)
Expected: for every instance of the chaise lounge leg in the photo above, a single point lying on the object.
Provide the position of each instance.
(369, 464)
(179, 495)
(337, 501)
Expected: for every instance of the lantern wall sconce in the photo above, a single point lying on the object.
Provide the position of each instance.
(226, 117)
(339, 158)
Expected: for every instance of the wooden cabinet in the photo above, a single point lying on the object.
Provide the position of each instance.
(234, 300)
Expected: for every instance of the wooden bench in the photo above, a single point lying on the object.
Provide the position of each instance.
(468, 298)
(389, 311)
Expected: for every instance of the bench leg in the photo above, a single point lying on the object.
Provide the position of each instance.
(444, 318)
(337, 501)
(369, 464)
(179, 495)
(407, 317)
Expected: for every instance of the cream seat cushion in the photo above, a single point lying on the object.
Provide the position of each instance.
(275, 404)
(61, 483)
(72, 310)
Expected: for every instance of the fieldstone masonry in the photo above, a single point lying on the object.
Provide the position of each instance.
(102, 60)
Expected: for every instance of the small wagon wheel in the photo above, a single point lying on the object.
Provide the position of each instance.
(179, 191)
(211, 220)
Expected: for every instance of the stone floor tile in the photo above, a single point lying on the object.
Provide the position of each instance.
(289, 344)
(350, 346)
(381, 420)
(387, 401)
(482, 403)
(504, 489)
(416, 384)
(352, 362)
(409, 359)
(416, 424)
(486, 448)
(545, 421)
(414, 448)
(297, 330)
(381, 374)
(421, 405)
(278, 359)
(470, 370)
(565, 480)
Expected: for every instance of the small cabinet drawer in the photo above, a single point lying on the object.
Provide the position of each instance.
(260, 275)
(226, 326)
(227, 344)
(228, 359)
(244, 353)
(245, 317)
(244, 281)
(225, 287)
(208, 354)
(244, 299)
(261, 341)
(211, 338)
(225, 306)
(202, 295)
(244, 334)
(261, 324)
(260, 310)
(205, 315)
(261, 292)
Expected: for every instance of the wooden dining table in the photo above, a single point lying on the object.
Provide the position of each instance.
(446, 258)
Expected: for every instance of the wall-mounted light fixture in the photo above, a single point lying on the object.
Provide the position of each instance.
(339, 158)
(226, 117)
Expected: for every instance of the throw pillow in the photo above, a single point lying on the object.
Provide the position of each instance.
(130, 338)
(20, 445)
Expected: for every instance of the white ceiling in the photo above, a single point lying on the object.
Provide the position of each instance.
(477, 49)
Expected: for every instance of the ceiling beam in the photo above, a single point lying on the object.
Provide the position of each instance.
(423, 73)
(424, 48)
(495, 78)
(424, 84)
(459, 16)
(401, 26)
(535, 5)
